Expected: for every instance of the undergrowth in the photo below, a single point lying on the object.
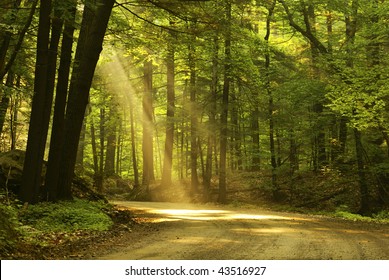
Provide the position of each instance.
(45, 223)
(67, 216)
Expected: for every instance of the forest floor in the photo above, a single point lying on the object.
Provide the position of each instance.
(162, 230)
(194, 230)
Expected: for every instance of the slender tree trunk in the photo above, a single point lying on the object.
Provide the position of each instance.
(32, 170)
(56, 141)
(193, 120)
(212, 119)
(293, 152)
(94, 149)
(5, 39)
(79, 93)
(133, 148)
(100, 177)
(81, 148)
(275, 187)
(224, 114)
(6, 66)
(5, 99)
(14, 118)
(109, 165)
(147, 125)
(168, 154)
(363, 186)
(119, 147)
(256, 159)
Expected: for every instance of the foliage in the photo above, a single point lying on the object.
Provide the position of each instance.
(9, 227)
(67, 216)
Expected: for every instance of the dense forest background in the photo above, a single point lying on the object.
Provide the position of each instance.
(183, 95)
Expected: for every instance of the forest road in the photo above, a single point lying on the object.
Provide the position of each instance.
(189, 231)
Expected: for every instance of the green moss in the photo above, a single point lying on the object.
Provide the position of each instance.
(67, 216)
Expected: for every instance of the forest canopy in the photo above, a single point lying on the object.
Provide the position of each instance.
(138, 95)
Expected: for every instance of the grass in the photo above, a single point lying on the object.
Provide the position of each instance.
(67, 216)
(46, 223)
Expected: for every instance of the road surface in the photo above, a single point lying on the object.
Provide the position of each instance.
(188, 231)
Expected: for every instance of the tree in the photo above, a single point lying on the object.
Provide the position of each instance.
(168, 152)
(31, 180)
(224, 113)
(79, 93)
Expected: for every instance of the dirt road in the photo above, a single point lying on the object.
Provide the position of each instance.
(187, 231)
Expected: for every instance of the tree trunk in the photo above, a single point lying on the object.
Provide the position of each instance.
(32, 170)
(193, 121)
(56, 141)
(14, 117)
(79, 93)
(363, 186)
(224, 114)
(133, 148)
(168, 154)
(109, 165)
(81, 148)
(100, 176)
(212, 119)
(5, 99)
(94, 150)
(147, 124)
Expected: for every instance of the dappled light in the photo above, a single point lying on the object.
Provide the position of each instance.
(190, 231)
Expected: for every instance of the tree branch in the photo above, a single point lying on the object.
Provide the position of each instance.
(307, 33)
(148, 21)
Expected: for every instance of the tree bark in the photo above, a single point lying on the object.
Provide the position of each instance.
(147, 124)
(193, 120)
(212, 118)
(133, 148)
(224, 114)
(5, 99)
(168, 154)
(56, 141)
(79, 93)
(31, 178)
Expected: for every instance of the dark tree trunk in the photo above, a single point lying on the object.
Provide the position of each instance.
(94, 150)
(133, 148)
(32, 170)
(81, 148)
(100, 176)
(14, 117)
(236, 139)
(275, 187)
(147, 125)
(224, 114)
(79, 93)
(193, 121)
(256, 159)
(52, 173)
(212, 119)
(5, 99)
(363, 186)
(109, 165)
(168, 152)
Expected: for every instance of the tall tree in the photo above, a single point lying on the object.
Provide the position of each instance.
(79, 92)
(224, 113)
(31, 179)
(169, 140)
(147, 124)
